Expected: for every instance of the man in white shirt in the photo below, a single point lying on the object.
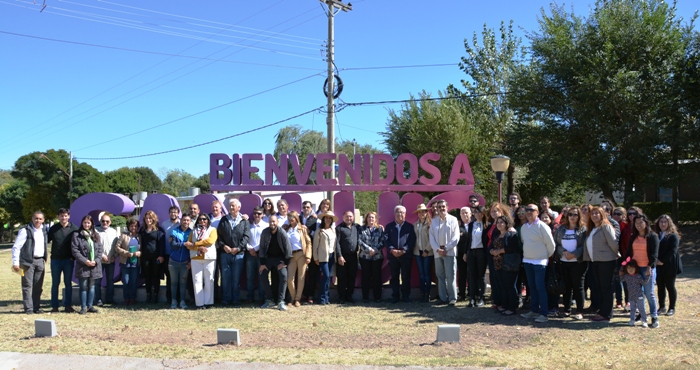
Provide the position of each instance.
(109, 238)
(538, 246)
(29, 255)
(444, 236)
(252, 261)
(282, 210)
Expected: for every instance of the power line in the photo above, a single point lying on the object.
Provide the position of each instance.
(163, 84)
(208, 142)
(397, 67)
(198, 113)
(153, 52)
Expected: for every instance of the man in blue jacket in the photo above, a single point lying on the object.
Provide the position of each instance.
(179, 259)
(400, 242)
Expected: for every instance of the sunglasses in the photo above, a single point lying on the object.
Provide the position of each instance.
(202, 219)
(473, 201)
(105, 221)
(530, 210)
(617, 214)
(521, 212)
(573, 214)
(632, 213)
(257, 213)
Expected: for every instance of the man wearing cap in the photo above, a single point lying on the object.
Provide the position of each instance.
(401, 238)
(444, 236)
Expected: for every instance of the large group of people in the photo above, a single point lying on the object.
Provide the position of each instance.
(532, 253)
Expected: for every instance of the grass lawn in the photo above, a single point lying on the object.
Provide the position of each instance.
(373, 334)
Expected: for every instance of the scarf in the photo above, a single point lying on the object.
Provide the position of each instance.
(86, 234)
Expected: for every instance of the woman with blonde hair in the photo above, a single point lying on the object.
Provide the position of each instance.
(301, 256)
(601, 251)
(423, 251)
(152, 254)
(372, 256)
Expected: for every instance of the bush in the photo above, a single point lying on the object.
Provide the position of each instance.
(687, 210)
(118, 221)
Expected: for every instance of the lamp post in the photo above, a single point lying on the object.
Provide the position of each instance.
(499, 164)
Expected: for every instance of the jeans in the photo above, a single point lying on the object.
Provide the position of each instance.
(638, 304)
(231, 271)
(446, 271)
(649, 291)
(108, 274)
(58, 268)
(130, 276)
(325, 282)
(87, 292)
(538, 297)
(279, 278)
(178, 274)
(252, 266)
(425, 265)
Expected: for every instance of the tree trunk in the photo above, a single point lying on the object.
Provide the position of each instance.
(511, 179)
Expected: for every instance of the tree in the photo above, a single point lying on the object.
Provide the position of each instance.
(148, 179)
(124, 180)
(11, 195)
(5, 177)
(447, 127)
(294, 139)
(590, 102)
(177, 182)
(489, 66)
(203, 183)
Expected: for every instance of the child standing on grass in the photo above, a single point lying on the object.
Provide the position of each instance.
(630, 274)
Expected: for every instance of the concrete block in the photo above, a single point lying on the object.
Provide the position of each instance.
(448, 333)
(226, 336)
(45, 328)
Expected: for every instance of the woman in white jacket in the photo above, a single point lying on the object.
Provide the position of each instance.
(203, 260)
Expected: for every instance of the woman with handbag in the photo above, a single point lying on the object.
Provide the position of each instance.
(569, 240)
(505, 250)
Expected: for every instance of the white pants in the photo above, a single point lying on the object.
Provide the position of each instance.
(203, 279)
(446, 272)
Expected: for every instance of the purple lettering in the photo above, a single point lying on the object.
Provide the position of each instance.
(430, 169)
(412, 169)
(354, 170)
(280, 170)
(247, 169)
(377, 160)
(322, 168)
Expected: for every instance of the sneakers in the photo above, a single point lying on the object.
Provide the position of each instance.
(480, 303)
(173, 305)
(183, 305)
(541, 319)
(670, 312)
(645, 325)
(282, 306)
(267, 304)
(631, 323)
(654, 322)
(530, 315)
(577, 316)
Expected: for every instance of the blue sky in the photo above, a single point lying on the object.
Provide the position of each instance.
(105, 102)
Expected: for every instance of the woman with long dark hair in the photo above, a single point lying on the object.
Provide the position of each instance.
(569, 240)
(152, 254)
(86, 248)
(475, 256)
(268, 210)
(203, 261)
(506, 243)
(601, 250)
(669, 263)
(129, 249)
(495, 211)
(644, 248)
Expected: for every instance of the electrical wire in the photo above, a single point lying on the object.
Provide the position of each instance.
(155, 52)
(397, 67)
(198, 113)
(205, 143)
(174, 79)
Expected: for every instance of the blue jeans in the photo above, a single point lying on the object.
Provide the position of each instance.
(649, 291)
(425, 265)
(178, 276)
(87, 292)
(325, 282)
(252, 268)
(130, 276)
(107, 273)
(535, 279)
(58, 268)
(231, 271)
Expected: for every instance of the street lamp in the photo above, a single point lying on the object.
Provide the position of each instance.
(499, 164)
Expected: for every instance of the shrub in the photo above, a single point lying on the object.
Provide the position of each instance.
(687, 210)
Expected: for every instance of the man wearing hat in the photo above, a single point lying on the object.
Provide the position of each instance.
(423, 251)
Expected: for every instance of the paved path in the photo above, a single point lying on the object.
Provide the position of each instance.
(21, 361)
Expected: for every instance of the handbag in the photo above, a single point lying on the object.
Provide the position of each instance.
(555, 278)
(511, 262)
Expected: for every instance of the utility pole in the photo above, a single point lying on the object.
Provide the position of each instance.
(334, 6)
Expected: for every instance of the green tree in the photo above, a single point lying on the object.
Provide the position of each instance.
(447, 127)
(124, 180)
(294, 139)
(177, 182)
(5, 177)
(203, 183)
(590, 102)
(11, 195)
(148, 179)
